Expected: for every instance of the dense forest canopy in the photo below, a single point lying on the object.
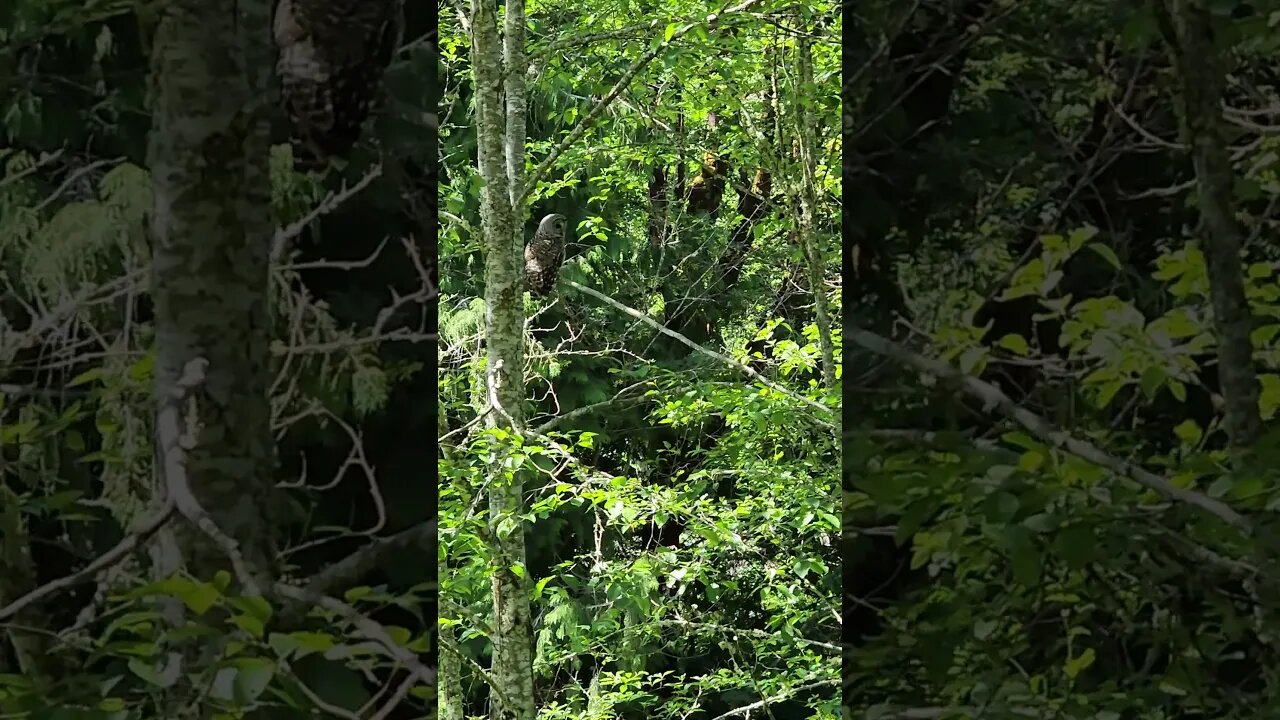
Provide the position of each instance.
(224, 346)
(1059, 465)
(674, 448)
(214, 374)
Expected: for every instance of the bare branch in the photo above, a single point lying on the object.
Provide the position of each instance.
(360, 562)
(1041, 428)
(145, 530)
(326, 206)
(705, 351)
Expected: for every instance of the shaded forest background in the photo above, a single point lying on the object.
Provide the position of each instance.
(352, 293)
(1061, 302)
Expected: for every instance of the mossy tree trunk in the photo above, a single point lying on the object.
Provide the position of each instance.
(500, 152)
(1188, 28)
(210, 238)
(807, 200)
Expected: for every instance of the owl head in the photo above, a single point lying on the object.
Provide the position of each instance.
(553, 224)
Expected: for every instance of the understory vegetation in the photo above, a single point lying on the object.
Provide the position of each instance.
(1062, 378)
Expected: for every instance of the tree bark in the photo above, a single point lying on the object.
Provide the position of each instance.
(210, 240)
(211, 236)
(449, 690)
(807, 197)
(1187, 27)
(512, 635)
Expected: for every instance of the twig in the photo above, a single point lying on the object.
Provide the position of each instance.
(579, 412)
(323, 264)
(937, 713)
(34, 167)
(330, 202)
(790, 693)
(393, 702)
(361, 561)
(72, 177)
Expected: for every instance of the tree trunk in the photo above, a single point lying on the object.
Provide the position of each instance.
(449, 696)
(1187, 27)
(210, 240)
(449, 690)
(807, 197)
(512, 636)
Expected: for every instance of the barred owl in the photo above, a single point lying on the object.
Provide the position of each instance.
(543, 254)
(332, 56)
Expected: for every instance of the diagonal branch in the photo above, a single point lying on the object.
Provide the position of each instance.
(1041, 428)
(705, 351)
(367, 627)
(787, 694)
(145, 530)
(360, 562)
(330, 203)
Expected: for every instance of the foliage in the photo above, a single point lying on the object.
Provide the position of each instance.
(680, 515)
(1068, 270)
(77, 472)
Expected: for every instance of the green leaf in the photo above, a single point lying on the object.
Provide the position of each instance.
(1108, 392)
(1079, 664)
(356, 593)
(1188, 432)
(1106, 253)
(1050, 282)
(311, 642)
(1042, 522)
(540, 586)
(973, 360)
(252, 625)
(1269, 397)
(142, 369)
(197, 596)
(399, 635)
(1001, 507)
(148, 672)
(1264, 335)
(1152, 380)
(87, 376)
(1220, 487)
(252, 678)
(1024, 556)
(1016, 344)
(1022, 440)
(1080, 236)
(1075, 545)
(912, 519)
(255, 606)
